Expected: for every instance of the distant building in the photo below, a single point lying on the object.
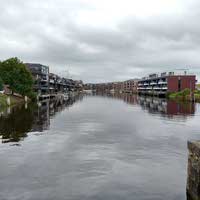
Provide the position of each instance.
(118, 87)
(40, 75)
(52, 83)
(78, 85)
(166, 82)
(130, 86)
(49, 84)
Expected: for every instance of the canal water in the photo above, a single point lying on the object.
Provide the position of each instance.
(102, 147)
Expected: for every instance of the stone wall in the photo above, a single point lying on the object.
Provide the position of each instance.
(193, 180)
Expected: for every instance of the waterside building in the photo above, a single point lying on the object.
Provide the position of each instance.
(166, 82)
(48, 85)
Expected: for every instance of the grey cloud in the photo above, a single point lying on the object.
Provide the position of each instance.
(48, 32)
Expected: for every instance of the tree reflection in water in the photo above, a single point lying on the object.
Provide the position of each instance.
(16, 122)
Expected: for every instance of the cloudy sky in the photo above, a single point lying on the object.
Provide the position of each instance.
(103, 40)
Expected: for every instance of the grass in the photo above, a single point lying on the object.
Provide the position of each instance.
(13, 100)
(3, 102)
(184, 95)
(197, 96)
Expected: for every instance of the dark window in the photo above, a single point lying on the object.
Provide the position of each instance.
(179, 84)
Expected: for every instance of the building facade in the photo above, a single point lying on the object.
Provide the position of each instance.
(40, 75)
(48, 84)
(166, 82)
(130, 86)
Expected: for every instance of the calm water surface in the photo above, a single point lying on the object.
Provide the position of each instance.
(109, 147)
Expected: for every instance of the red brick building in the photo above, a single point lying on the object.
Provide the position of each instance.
(166, 82)
(130, 86)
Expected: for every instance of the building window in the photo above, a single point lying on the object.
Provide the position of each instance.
(179, 84)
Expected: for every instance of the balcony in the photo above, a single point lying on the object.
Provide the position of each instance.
(153, 83)
(51, 81)
(44, 80)
(44, 88)
(157, 88)
(162, 83)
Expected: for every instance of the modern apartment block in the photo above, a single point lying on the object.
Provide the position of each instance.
(49, 84)
(40, 74)
(58, 84)
(165, 82)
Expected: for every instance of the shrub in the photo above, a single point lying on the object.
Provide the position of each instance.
(1, 84)
(32, 95)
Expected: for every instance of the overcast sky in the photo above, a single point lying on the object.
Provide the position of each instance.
(102, 40)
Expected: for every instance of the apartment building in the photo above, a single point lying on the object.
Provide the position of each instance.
(160, 84)
(130, 86)
(40, 75)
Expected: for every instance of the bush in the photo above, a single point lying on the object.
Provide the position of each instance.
(182, 95)
(197, 92)
(185, 92)
(1, 84)
(32, 96)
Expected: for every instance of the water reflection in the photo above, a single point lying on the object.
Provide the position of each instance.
(16, 122)
(167, 108)
(112, 147)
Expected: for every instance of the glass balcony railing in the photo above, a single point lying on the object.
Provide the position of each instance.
(162, 82)
(153, 83)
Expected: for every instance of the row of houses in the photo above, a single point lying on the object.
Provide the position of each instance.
(157, 84)
(48, 84)
(128, 86)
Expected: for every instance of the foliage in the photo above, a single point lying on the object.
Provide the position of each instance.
(197, 95)
(1, 84)
(13, 100)
(14, 73)
(3, 102)
(197, 92)
(32, 95)
(182, 95)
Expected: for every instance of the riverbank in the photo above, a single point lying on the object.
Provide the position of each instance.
(14, 100)
(185, 95)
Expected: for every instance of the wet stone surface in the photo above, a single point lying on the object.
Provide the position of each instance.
(193, 182)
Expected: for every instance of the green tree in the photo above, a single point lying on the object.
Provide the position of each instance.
(14, 73)
(1, 84)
